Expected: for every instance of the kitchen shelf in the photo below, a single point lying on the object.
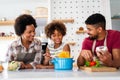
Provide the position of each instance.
(11, 22)
(39, 16)
(79, 32)
(65, 20)
(72, 43)
(12, 37)
(8, 38)
(116, 19)
(7, 22)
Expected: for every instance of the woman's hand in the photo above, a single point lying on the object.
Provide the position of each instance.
(22, 65)
(25, 66)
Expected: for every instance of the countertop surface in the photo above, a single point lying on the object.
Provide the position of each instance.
(51, 74)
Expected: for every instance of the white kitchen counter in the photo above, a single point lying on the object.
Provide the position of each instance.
(50, 74)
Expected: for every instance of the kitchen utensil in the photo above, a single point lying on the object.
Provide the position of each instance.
(63, 63)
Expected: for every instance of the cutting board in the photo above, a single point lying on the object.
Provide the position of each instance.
(98, 69)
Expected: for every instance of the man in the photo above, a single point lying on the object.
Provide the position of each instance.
(99, 36)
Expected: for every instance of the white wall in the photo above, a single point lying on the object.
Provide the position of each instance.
(12, 8)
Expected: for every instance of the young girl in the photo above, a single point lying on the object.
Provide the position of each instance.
(55, 31)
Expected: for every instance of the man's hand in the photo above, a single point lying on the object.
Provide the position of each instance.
(105, 57)
(87, 55)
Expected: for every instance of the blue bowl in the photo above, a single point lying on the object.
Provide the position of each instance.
(63, 63)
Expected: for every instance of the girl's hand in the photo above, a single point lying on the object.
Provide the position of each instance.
(47, 58)
(47, 54)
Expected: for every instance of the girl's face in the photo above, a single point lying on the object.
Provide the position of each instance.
(29, 33)
(57, 37)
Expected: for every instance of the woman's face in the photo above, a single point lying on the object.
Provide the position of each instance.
(29, 33)
(57, 37)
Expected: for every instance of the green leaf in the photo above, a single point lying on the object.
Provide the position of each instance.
(97, 64)
(87, 63)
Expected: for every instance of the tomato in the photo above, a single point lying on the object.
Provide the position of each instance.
(93, 63)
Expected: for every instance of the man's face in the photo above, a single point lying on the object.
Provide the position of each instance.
(92, 31)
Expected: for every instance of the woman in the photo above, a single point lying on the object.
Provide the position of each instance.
(26, 49)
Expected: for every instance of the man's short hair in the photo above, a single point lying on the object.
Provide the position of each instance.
(96, 19)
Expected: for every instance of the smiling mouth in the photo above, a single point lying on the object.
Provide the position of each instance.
(57, 41)
(31, 37)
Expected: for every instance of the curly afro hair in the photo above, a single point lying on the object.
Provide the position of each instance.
(21, 22)
(55, 25)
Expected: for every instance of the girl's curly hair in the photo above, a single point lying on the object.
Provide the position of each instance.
(55, 25)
